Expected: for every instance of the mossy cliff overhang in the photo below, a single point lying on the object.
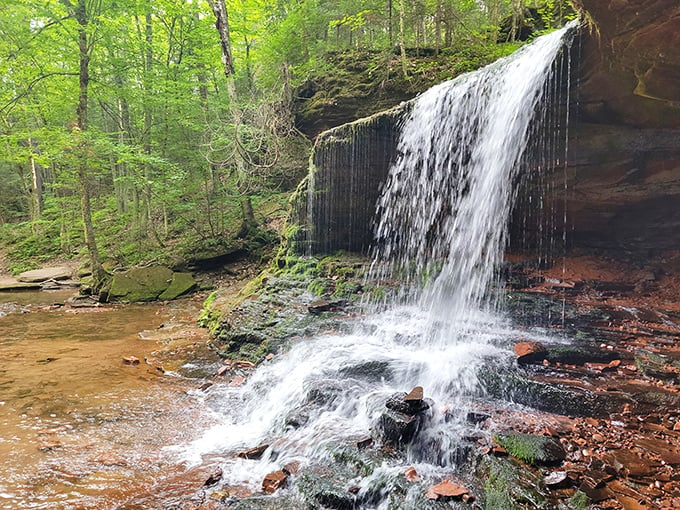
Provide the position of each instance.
(621, 181)
(347, 169)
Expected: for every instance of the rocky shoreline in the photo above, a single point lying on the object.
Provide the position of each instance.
(588, 422)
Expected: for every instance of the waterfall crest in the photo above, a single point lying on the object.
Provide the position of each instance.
(443, 213)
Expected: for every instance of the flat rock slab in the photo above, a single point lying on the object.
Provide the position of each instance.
(9, 284)
(49, 273)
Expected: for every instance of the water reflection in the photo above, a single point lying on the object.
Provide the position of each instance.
(78, 427)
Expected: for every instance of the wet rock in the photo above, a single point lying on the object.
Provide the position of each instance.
(318, 307)
(554, 398)
(274, 481)
(292, 468)
(253, 453)
(476, 418)
(411, 474)
(131, 360)
(557, 480)
(446, 490)
(580, 354)
(415, 396)
(398, 403)
(534, 449)
(364, 442)
(529, 352)
(397, 429)
(214, 477)
(370, 370)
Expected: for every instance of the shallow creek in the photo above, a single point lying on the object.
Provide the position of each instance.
(79, 428)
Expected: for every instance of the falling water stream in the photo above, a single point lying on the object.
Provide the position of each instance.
(442, 228)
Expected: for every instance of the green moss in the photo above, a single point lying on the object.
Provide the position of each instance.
(579, 501)
(530, 448)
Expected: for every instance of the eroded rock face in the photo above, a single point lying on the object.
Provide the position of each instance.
(631, 63)
(623, 177)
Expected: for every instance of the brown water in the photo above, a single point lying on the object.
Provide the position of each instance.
(79, 428)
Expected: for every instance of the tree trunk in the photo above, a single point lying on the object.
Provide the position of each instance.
(98, 273)
(222, 24)
(36, 206)
(402, 37)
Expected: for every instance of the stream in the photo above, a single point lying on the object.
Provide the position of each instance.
(80, 428)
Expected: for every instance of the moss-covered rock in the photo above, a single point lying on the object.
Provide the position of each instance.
(140, 284)
(180, 284)
(531, 448)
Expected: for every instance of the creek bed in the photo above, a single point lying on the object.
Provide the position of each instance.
(79, 428)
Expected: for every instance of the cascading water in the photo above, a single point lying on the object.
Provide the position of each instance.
(442, 228)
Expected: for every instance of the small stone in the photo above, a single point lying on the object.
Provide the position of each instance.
(222, 370)
(214, 477)
(415, 395)
(318, 307)
(220, 496)
(131, 360)
(364, 442)
(237, 381)
(447, 489)
(529, 352)
(244, 364)
(292, 468)
(556, 480)
(411, 474)
(274, 481)
(253, 453)
(205, 385)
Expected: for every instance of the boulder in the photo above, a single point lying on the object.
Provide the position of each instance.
(140, 284)
(180, 284)
(48, 273)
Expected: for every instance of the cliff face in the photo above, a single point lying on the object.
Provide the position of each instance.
(622, 176)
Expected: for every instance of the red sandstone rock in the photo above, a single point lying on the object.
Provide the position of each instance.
(446, 489)
(529, 352)
(411, 474)
(274, 481)
(253, 453)
(416, 394)
(214, 477)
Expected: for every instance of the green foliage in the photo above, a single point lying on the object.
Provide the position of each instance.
(169, 158)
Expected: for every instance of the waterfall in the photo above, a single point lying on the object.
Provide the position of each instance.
(444, 211)
(442, 227)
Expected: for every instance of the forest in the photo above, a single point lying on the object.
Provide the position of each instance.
(135, 131)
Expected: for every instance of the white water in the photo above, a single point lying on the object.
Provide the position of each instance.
(459, 154)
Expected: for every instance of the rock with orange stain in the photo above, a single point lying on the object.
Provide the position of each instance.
(274, 481)
(446, 490)
(411, 474)
(529, 352)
